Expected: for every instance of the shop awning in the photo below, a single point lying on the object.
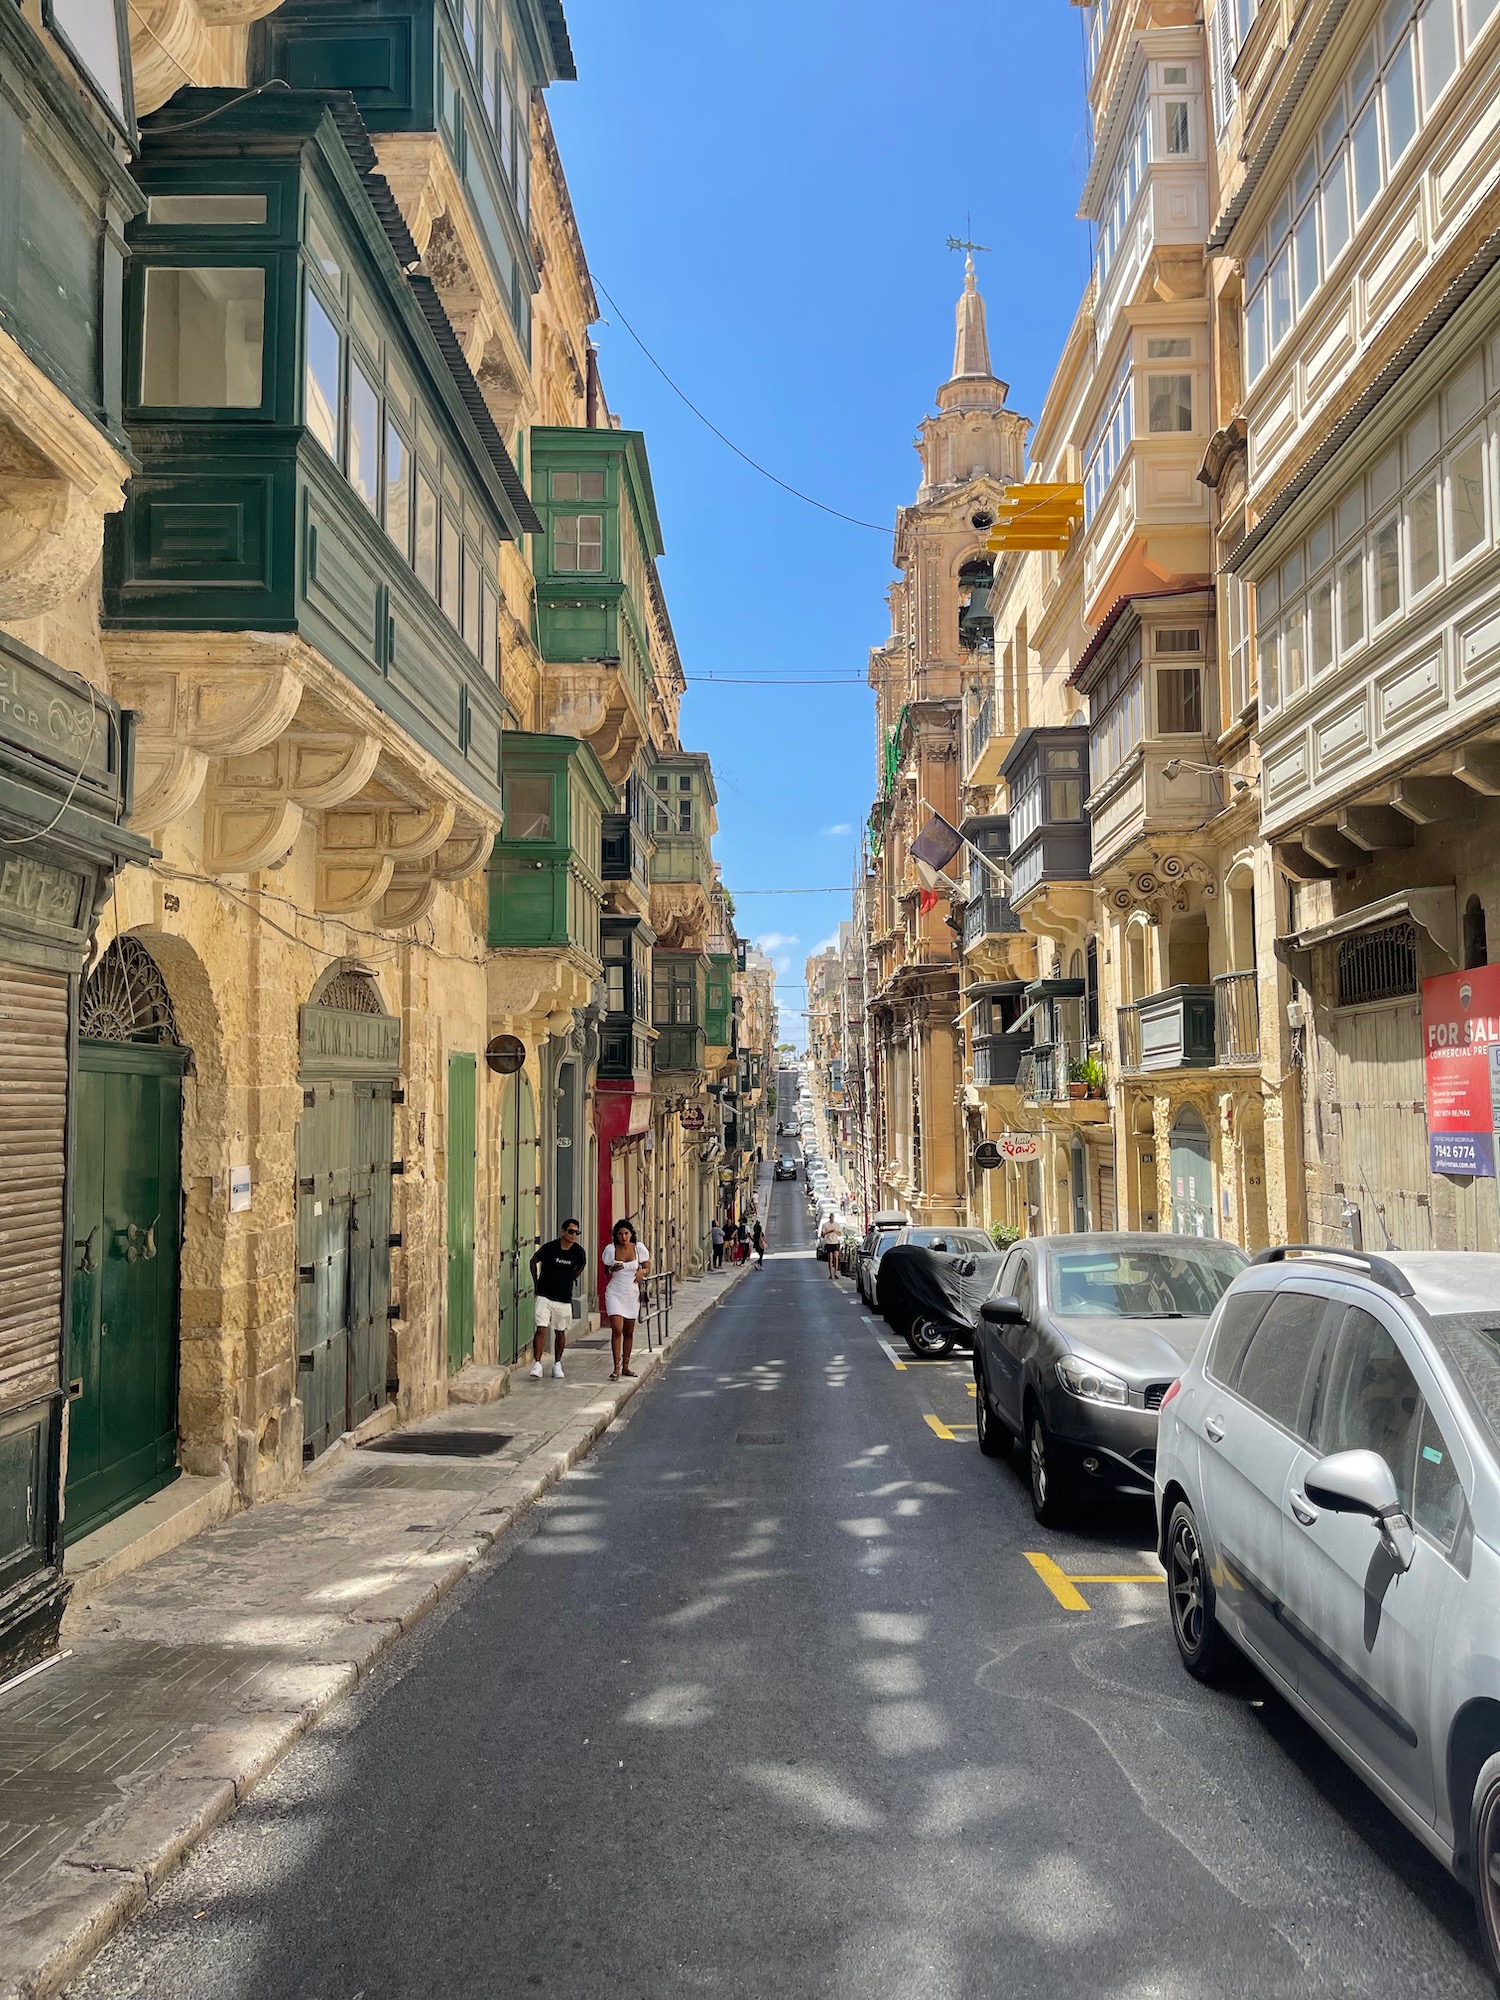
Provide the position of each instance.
(1432, 910)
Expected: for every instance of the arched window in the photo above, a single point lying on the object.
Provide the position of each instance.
(976, 627)
(1476, 939)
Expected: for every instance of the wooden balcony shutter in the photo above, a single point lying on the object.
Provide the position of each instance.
(33, 1123)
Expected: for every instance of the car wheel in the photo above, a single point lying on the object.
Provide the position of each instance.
(1484, 1855)
(1190, 1593)
(925, 1338)
(994, 1440)
(1051, 1491)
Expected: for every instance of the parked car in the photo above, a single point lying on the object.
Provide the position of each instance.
(1078, 1346)
(785, 1168)
(1328, 1501)
(932, 1297)
(877, 1240)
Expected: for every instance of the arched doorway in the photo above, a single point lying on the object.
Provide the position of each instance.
(351, 1058)
(127, 1240)
(1192, 1176)
(520, 1179)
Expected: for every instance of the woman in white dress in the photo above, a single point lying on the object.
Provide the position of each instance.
(625, 1260)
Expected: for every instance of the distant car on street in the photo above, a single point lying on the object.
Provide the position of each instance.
(883, 1231)
(785, 1168)
(1078, 1345)
(1328, 1500)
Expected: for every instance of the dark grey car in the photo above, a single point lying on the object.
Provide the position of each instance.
(1078, 1343)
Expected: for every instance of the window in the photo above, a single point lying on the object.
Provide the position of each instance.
(1065, 796)
(1279, 1356)
(1377, 965)
(578, 542)
(321, 377)
(614, 975)
(450, 550)
(1438, 31)
(206, 211)
(1179, 701)
(1466, 485)
(528, 805)
(1320, 636)
(202, 338)
(578, 486)
(1422, 552)
(1177, 128)
(1369, 1400)
(398, 490)
(1242, 1314)
(1177, 348)
(1439, 1499)
(1111, 435)
(1352, 602)
(471, 622)
(427, 536)
(91, 29)
(364, 436)
(1170, 399)
(1387, 571)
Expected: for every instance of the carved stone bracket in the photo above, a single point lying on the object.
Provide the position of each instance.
(680, 914)
(193, 41)
(59, 477)
(594, 703)
(535, 994)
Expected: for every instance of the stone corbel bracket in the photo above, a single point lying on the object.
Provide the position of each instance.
(173, 42)
(534, 994)
(59, 477)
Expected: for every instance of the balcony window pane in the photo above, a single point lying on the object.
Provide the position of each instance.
(1179, 701)
(1387, 571)
(489, 644)
(1366, 151)
(1295, 669)
(1255, 336)
(1305, 253)
(578, 542)
(427, 534)
(202, 339)
(1171, 401)
(323, 253)
(91, 29)
(1177, 128)
(1352, 601)
(1335, 210)
(1401, 101)
(1350, 517)
(364, 436)
(1439, 48)
(528, 806)
(472, 580)
(205, 211)
(614, 982)
(320, 390)
(1479, 11)
(450, 578)
(1066, 798)
(1466, 481)
(1279, 286)
(565, 485)
(398, 490)
(591, 485)
(1319, 545)
(1322, 629)
(1270, 668)
(1423, 552)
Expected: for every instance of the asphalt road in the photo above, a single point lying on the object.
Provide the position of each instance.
(767, 1699)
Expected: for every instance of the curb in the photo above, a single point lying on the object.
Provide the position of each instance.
(105, 1879)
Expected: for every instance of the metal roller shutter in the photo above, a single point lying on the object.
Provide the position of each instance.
(33, 1124)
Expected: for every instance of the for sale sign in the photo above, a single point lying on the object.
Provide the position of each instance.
(1460, 1025)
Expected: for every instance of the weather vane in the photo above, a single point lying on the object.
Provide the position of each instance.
(963, 243)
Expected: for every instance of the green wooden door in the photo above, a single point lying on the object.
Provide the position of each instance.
(461, 1157)
(127, 1224)
(344, 1143)
(520, 1186)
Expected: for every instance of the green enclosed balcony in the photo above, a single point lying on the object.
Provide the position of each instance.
(718, 1018)
(316, 459)
(680, 790)
(625, 1033)
(679, 998)
(545, 887)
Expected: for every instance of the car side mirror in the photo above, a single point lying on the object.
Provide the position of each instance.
(1360, 1482)
(1002, 1312)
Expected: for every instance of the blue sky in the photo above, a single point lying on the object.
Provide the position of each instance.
(765, 193)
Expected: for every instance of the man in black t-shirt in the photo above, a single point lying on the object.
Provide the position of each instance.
(555, 1269)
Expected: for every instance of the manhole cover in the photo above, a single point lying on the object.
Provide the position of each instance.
(598, 1340)
(760, 1437)
(441, 1444)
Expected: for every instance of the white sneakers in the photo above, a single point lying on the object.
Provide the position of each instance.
(536, 1371)
(557, 1374)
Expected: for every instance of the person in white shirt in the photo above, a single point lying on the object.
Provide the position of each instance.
(625, 1260)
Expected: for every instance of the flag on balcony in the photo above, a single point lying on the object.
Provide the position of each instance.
(927, 899)
(932, 850)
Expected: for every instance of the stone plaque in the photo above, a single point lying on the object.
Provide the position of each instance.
(41, 892)
(330, 1035)
(40, 714)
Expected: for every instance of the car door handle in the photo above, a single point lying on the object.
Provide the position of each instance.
(1214, 1427)
(1305, 1514)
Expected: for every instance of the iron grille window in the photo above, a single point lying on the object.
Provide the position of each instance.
(1377, 965)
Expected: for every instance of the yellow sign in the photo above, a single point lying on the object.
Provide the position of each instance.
(1036, 516)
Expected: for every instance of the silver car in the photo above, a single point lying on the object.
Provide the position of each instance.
(1328, 1499)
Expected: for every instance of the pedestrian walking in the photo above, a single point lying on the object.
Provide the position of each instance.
(742, 1242)
(831, 1236)
(758, 1239)
(716, 1238)
(555, 1268)
(625, 1259)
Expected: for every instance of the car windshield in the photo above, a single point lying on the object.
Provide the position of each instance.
(966, 1242)
(1131, 1283)
(883, 1241)
(1470, 1344)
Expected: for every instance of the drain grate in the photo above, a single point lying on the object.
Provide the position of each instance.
(441, 1444)
(760, 1437)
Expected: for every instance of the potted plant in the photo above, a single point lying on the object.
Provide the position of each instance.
(1003, 1234)
(1078, 1082)
(1093, 1076)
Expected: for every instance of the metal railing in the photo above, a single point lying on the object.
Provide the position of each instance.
(1037, 1075)
(1128, 1033)
(980, 729)
(1237, 1017)
(988, 916)
(656, 1309)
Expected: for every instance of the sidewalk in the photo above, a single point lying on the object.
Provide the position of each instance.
(191, 1677)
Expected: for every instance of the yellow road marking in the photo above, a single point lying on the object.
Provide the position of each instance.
(1064, 1585)
(974, 1389)
(937, 1424)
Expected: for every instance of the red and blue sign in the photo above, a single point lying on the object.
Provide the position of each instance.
(1460, 1027)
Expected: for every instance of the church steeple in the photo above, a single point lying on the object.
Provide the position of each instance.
(971, 350)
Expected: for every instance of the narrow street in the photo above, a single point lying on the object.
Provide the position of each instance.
(769, 1696)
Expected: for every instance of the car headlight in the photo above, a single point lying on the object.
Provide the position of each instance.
(1094, 1385)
